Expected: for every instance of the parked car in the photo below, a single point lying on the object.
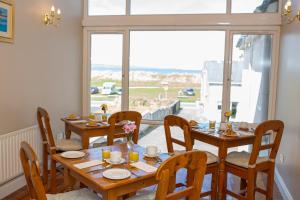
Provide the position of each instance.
(188, 91)
(94, 90)
(108, 88)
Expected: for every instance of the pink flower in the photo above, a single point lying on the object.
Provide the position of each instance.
(129, 128)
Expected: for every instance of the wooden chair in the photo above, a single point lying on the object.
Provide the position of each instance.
(50, 146)
(35, 186)
(212, 160)
(119, 117)
(195, 161)
(247, 165)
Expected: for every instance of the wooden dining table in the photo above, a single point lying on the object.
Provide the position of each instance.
(84, 131)
(93, 178)
(216, 138)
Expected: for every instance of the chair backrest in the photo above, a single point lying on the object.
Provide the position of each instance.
(195, 162)
(265, 128)
(172, 120)
(45, 129)
(31, 170)
(117, 117)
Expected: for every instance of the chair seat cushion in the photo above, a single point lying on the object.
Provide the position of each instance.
(242, 159)
(68, 145)
(149, 196)
(82, 194)
(211, 158)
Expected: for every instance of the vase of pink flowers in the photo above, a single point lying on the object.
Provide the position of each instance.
(129, 129)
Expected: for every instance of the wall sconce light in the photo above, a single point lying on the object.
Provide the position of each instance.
(287, 12)
(53, 17)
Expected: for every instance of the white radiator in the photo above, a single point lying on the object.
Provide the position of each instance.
(10, 164)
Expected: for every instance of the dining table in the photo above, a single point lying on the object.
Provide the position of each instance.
(81, 128)
(93, 178)
(216, 138)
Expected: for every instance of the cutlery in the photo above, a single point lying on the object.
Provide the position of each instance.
(135, 174)
(96, 170)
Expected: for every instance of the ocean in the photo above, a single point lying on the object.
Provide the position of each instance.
(99, 68)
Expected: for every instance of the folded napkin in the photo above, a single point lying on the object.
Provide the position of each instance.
(78, 121)
(88, 164)
(145, 167)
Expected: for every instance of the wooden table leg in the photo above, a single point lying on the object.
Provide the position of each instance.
(67, 131)
(69, 181)
(85, 141)
(109, 195)
(222, 174)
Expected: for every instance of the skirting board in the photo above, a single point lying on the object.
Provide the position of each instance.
(284, 191)
(12, 186)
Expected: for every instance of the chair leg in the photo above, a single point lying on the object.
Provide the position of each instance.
(251, 185)
(214, 182)
(270, 184)
(225, 186)
(45, 169)
(53, 177)
(243, 186)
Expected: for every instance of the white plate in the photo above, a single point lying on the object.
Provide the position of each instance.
(72, 154)
(157, 155)
(112, 163)
(116, 174)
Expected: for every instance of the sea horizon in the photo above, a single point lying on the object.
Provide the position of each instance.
(114, 68)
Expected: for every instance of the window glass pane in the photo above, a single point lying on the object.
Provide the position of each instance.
(176, 72)
(148, 7)
(250, 78)
(106, 7)
(254, 6)
(106, 71)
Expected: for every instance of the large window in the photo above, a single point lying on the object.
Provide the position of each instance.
(192, 58)
(251, 67)
(106, 71)
(175, 71)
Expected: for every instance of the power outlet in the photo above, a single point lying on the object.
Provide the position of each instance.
(281, 158)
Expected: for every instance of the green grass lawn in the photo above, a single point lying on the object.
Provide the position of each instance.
(150, 94)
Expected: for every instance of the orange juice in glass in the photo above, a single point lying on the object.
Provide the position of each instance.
(105, 154)
(133, 156)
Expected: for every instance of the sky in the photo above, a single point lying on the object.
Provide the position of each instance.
(160, 49)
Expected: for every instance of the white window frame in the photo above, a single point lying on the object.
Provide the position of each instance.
(264, 23)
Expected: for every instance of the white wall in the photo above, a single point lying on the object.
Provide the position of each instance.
(288, 106)
(42, 67)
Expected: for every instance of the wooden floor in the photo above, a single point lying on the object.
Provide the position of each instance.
(233, 184)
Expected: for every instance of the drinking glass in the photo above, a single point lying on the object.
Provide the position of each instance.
(212, 124)
(133, 156)
(105, 154)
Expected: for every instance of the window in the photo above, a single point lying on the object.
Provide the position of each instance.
(173, 72)
(106, 71)
(106, 7)
(254, 6)
(251, 68)
(151, 7)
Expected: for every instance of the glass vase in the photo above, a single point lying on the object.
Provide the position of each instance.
(130, 143)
